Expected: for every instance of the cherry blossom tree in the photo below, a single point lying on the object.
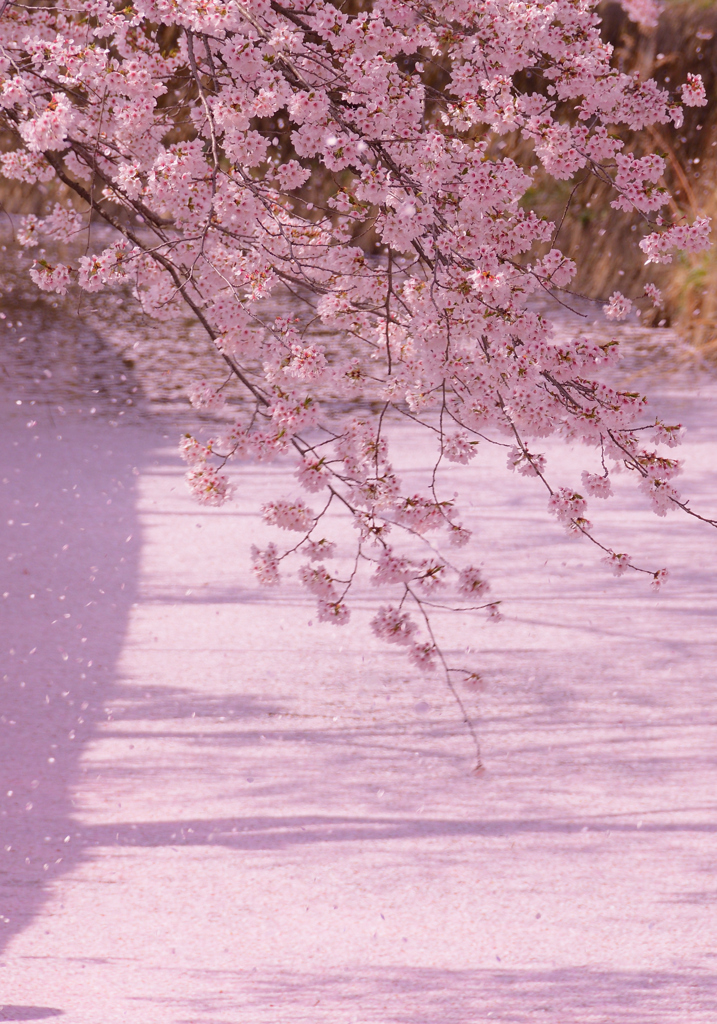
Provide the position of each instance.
(346, 154)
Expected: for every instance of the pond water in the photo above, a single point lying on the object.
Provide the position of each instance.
(100, 351)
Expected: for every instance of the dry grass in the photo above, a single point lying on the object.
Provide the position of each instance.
(684, 40)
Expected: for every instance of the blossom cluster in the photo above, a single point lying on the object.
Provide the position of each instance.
(322, 585)
(695, 237)
(569, 508)
(253, 153)
(618, 307)
(203, 396)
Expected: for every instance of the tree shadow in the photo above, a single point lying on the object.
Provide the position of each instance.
(572, 994)
(9, 1012)
(69, 544)
(282, 832)
(399, 994)
(258, 751)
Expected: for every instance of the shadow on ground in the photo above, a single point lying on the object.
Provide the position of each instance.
(28, 1012)
(407, 995)
(68, 550)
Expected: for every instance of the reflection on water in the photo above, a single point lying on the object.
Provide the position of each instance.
(101, 350)
(97, 348)
(650, 357)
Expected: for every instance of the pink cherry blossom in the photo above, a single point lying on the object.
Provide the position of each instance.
(48, 130)
(659, 246)
(458, 536)
(423, 655)
(393, 626)
(192, 451)
(318, 581)
(569, 508)
(392, 568)
(471, 583)
(659, 579)
(204, 396)
(458, 448)
(644, 12)
(618, 562)
(618, 307)
(208, 485)
(667, 434)
(693, 91)
(319, 549)
(266, 565)
(291, 175)
(598, 486)
(653, 293)
(526, 463)
(241, 171)
(335, 612)
(312, 473)
(50, 278)
(288, 515)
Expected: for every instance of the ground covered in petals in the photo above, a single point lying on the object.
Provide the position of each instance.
(217, 810)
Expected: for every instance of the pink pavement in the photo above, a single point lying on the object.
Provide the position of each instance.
(216, 811)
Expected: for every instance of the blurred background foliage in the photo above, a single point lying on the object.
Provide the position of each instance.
(685, 40)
